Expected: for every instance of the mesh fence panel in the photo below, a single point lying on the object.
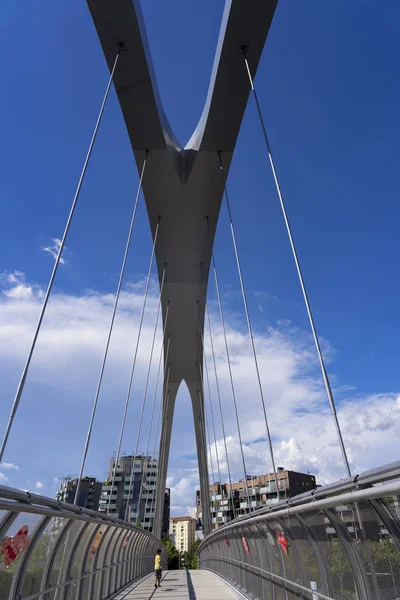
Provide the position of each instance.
(13, 546)
(109, 555)
(39, 557)
(286, 532)
(341, 574)
(102, 560)
(275, 562)
(95, 560)
(378, 553)
(58, 571)
(81, 552)
(80, 555)
(253, 540)
(311, 569)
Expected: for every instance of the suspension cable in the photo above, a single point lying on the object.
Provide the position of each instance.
(133, 364)
(299, 272)
(145, 394)
(212, 418)
(121, 277)
(205, 416)
(205, 432)
(221, 312)
(21, 384)
(163, 407)
(249, 326)
(201, 397)
(209, 437)
(159, 416)
(211, 407)
(220, 411)
(154, 403)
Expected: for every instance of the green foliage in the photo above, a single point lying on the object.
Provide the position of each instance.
(139, 524)
(173, 555)
(191, 556)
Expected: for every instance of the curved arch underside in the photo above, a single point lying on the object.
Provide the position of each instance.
(183, 186)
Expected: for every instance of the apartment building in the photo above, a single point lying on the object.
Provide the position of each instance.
(89, 492)
(228, 502)
(131, 494)
(182, 532)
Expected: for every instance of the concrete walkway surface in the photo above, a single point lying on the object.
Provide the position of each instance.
(182, 585)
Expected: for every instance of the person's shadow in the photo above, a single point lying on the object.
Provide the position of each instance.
(192, 593)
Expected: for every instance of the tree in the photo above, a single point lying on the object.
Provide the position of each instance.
(173, 554)
(339, 565)
(191, 556)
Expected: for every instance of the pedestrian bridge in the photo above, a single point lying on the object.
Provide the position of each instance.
(339, 542)
(186, 585)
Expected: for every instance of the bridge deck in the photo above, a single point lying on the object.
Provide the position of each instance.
(182, 585)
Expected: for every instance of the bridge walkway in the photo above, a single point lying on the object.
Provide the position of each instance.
(182, 585)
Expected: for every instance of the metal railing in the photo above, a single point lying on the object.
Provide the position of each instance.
(50, 550)
(338, 542)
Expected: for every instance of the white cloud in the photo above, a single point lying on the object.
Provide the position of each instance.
(64, 375)
(15, 277)
(20, 292)
(183, 485)
(6, 465)
(3, 478)
(54, 248)
(39, 485)
(15, 287)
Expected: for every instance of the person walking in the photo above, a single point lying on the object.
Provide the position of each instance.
(157, 569)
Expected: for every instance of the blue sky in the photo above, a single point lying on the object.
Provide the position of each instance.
(329, 89)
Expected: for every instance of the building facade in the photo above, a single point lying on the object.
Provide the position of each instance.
(230, 502)
(182, 533)
(133, 493)
(89, 492)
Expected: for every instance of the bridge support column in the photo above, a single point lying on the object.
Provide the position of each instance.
(163, 454)
(196, 395)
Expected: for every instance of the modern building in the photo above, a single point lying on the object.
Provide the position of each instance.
(228, 503)
(132, 494)
(182, 533)
(89, 492)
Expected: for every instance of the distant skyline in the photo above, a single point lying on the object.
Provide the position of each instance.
(329, 88)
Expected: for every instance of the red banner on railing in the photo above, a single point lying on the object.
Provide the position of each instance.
(282, 540)
(13, 546)
(245, 546)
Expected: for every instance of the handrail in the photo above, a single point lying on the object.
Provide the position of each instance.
(46, 546)
(341, 541)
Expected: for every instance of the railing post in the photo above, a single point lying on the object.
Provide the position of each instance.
(324, 573)
(106, 571)
(93, 575)
(359, 573)
(299, 565)
(70, 558)
(52, 556)
(86, 551)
